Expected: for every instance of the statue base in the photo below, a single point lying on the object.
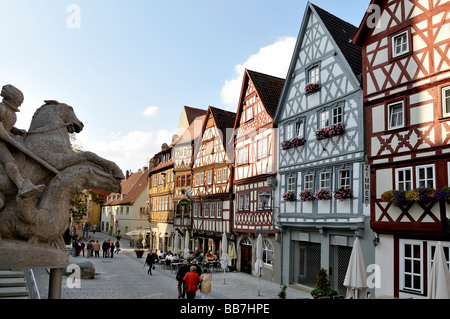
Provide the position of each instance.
(18, 255)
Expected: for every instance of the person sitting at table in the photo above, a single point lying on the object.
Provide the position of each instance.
(210, 256)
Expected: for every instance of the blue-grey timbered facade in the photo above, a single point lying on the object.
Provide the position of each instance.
(322, 149)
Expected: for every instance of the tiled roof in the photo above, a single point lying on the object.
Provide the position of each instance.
(224, 121)
(342, 33)
(132, 188)
(269, 89)
(192, 113)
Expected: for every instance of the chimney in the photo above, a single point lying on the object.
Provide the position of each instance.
(127, 174)
(152, 164)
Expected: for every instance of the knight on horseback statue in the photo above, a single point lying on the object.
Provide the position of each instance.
(12, 99)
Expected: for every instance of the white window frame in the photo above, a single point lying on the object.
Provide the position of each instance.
(404, 34)
(344, 179)
(265, 194)
(246, 201)
(308, 182)
(212, 210)
(209, 177)
(314, 75)
(403, 273)
(300, 128)
(445, 100)
(262, 148)
(291, 182)
(289, 131)
(206, 212)
(249, 113)
(324, 179)
(219, 175)
(268, 253)
(391, 114)
(324, 119)
(337, 115)
(224, 174)
(430, 244)
(401, 184)
(241, 202)
(202, 179)
(219, 209)
(427, 178)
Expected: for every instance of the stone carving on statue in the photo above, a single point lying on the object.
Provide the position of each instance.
(39, 174)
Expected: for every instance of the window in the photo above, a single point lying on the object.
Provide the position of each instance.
(219, 210)
(263, 200)
(212, 211)
(262, 148)
(289, 132)
(241, 201)
(249, 113)
(206, 210)
(411, 266)
(403, 178)
(337, 115)
(299, 128)
(196, 179)
(224, 175)
(432, 251)
(395, 115)
(446, 100)
(325, 180)
(195, 210)
(247, 201)
(324, 119)
(291, 184)
(400, 44)
(267, 252)
(200, 212)
(425, 176)
(209, 176)
(188, 180)
(202, 178)
(313, 75)
(243, 155)
(219, 175)
(308, 182)
(178, 181)
(183, 180)
(344, 178)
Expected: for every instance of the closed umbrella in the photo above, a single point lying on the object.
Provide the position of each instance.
(224, 258)
(356, 276)
(439, 284)
(175, 244)
(259, 264)
(186, 245)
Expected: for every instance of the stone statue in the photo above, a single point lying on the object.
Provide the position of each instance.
(35, 214)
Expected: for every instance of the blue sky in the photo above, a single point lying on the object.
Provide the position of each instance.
(128, 67)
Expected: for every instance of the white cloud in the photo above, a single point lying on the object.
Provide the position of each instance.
(150, 111)
(273, 59)
(130, 151)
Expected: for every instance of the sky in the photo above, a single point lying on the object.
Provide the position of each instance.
(128, 67)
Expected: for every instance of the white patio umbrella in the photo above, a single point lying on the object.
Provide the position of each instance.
(143, 239)
(259, 264)
(186, 245)
(439, 284)
(175, 244)
(356, 276)
(224, 258)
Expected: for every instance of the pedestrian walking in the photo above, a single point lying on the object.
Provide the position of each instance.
(192, 280)
(82, 245)
(117, 245)
(89, 248)
(150, 261)
(198, 269)
(97, 249)
(205, 282)
(111, 248)
(184, 269)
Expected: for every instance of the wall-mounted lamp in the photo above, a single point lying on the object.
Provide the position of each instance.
(376, 240)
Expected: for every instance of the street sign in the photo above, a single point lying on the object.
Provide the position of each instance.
(183, 202)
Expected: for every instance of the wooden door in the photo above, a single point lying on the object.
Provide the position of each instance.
(246, 259)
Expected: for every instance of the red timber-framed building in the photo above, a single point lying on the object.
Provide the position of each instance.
(255, 172)
(212, 183)
(406, 76)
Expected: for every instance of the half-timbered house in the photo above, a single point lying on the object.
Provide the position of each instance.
(161, 184)
(406, 63)
(321, 153)
(255, 172)
(183, 161)
(212, 192)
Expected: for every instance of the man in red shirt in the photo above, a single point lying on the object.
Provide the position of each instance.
(192, 280)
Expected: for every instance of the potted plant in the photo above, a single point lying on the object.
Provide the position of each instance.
(343, 193)
(289, 196)
(330, 131)
(139, 251)
(292, 143)
(307, 196)
(322, 288)
(322, 194)
(312, 87)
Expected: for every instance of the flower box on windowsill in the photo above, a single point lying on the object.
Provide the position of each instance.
(289, 197)
(306, 196)
(322, 194)
(343, 194)
(311, 88)
(292, 143)
(330, 131)
(421, 194)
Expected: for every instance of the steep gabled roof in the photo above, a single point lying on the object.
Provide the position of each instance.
(342, 33)
(224, 121)
(192, 132)
(364, 28)
(132, 188)
(269, 90)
